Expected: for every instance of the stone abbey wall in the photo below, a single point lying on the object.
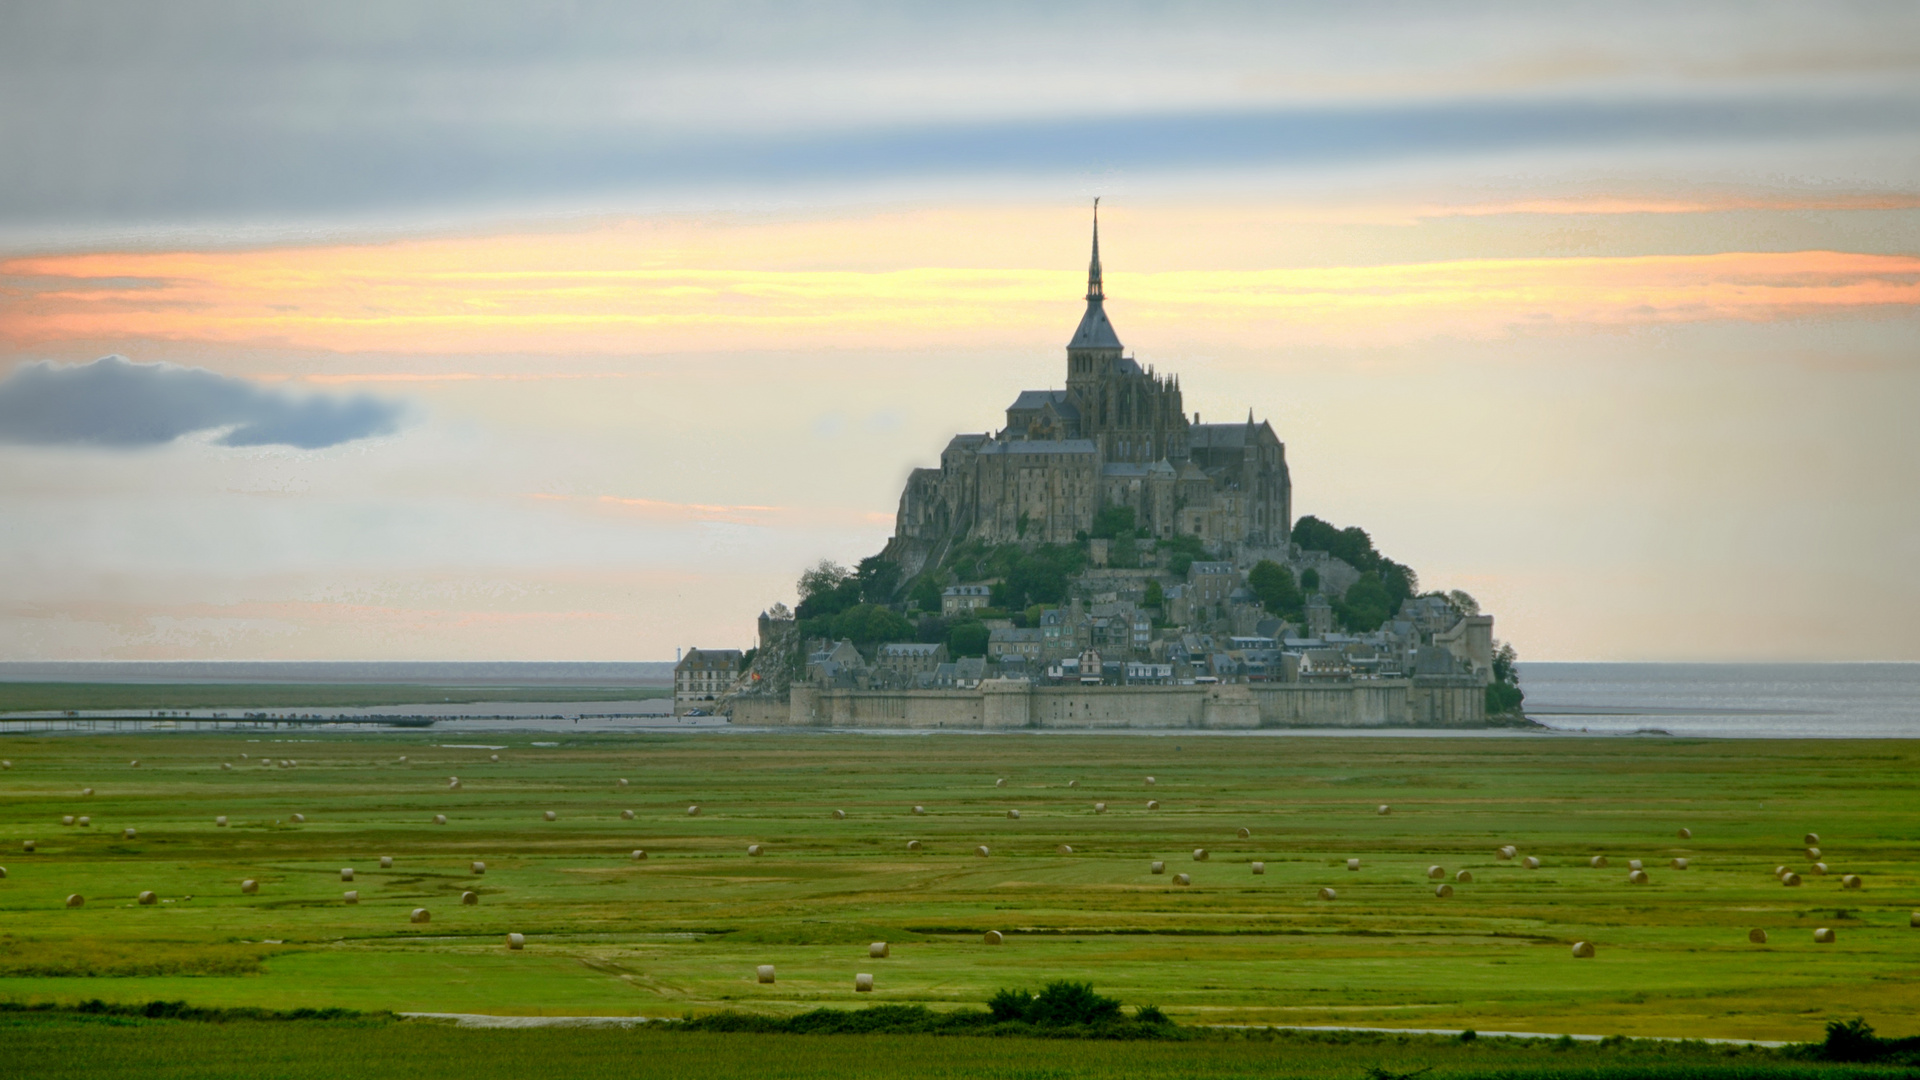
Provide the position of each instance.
(1002, 705)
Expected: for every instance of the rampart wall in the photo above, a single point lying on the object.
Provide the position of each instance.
(1008, 704)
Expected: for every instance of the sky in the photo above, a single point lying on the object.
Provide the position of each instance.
(574, 331)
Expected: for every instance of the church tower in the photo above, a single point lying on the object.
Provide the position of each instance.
(1095, 349)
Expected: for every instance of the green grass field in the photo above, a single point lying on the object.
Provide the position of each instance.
(141, 698)
(91, 1048)
(684, 929)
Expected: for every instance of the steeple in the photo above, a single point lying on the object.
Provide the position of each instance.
(1095, 346)
(1094, 291)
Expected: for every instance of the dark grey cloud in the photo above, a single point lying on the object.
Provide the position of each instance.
(138, 113)
(115, 402)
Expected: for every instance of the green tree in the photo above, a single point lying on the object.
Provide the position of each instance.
(1113, 521)
(879, 579)
(1156, 596)
(1366, 604)
(1310, 579)
(871, 624)
(1273, 584)
(967, 639)
(926, 591)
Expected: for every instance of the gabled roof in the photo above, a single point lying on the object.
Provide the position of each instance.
(1038, 399)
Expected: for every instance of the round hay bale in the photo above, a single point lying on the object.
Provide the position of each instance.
(1757, 936)
(1583, 950)
(1245, 833)
(1850, 881)
(1818, 869)
(1153, 804)
(753, 849)
(147, 897)
(227, 765)
(27, 847)
(249, 886)
(127, 834)
(86, 791)
(839, 815)
(1064, 849)
(1913, 919)
(403, 758)
(1678, 864)
(3, 873)
(453, 783)
(346, 873)
(622, 782)
(626, 815)
(1073, 783)
(66, 819)
(693, 811)
(1384, 810)
(1002, 782)
(478, 867)
(1464, 877)
(439, 819)
(1530, 863)
(1790, 879)
(1634, 864)
(76, 900)
(6, 764)
(1435, 873)
(551, 816)
(1506, 853)
(1443, 890)
(351, 896)
(764, 973)
(1013, 815)
(1199, 854)
(638, 854)
(1182, 879)
(1099, 808)
(493, 757)
(1686, 834)
(1779, 871)
(1327, 894)
(1353, 864)
(516, 942)
(981, 851)
(469, 898)
(1259, 868)
(1810, 839)
(1150, 781)
(135, 763)
(1598, 862)
(877, 950)
(919, 809)
(386, 862)
(1823, 935)
(994, 937)
(913, 845)
(1156, 867)
(1638, 877)
(1813, 853)
(863, 983)
(299, 819)
(84, 821)
(420, 915)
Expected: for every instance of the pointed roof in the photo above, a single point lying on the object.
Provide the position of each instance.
(1095, 332)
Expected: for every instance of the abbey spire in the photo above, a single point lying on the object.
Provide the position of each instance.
(1094, 292)
(1095, 347)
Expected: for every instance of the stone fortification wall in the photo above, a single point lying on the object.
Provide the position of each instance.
(1014, 705)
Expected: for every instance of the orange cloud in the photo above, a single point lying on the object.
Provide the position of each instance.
(689, 286)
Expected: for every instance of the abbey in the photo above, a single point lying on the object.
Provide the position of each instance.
(1117, 435)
